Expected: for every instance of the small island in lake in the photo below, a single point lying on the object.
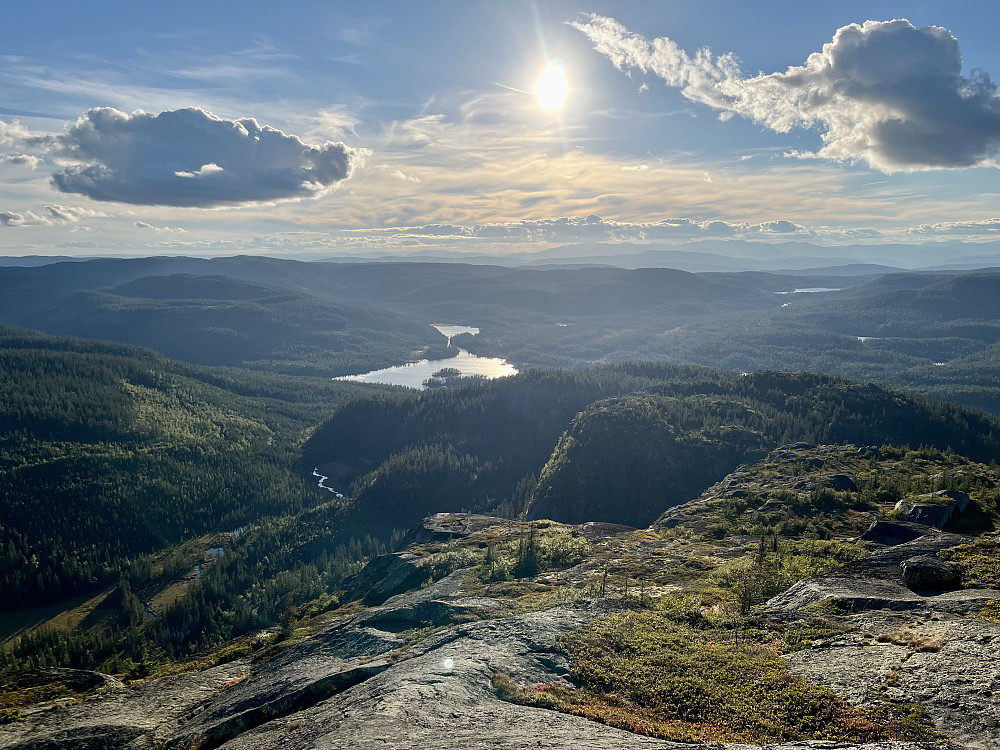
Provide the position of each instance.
(450, 376)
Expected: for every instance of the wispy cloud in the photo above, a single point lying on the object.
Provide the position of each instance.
(883, 92)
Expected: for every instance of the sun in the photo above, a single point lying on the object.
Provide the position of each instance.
(551, 87)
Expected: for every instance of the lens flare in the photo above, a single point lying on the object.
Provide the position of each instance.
(552, 87)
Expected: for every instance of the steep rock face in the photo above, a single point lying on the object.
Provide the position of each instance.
(386, 576)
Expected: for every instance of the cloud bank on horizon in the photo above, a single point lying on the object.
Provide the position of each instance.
(885, 93)
(190, 158)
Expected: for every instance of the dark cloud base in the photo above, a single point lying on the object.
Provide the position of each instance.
(189, 157)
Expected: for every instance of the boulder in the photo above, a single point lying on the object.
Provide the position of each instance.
(927, 573)
(935, 510)
(843, 483)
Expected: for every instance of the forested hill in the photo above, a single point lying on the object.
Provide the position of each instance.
(215, 320)
(108, 452)
(616, 443)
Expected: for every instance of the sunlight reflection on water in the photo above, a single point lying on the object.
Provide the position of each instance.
(414, 374)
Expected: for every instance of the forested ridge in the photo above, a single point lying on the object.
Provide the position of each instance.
(932, 333)
(617, 443)
(111, 452)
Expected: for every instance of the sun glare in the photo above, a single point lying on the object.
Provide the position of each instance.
(552, 88)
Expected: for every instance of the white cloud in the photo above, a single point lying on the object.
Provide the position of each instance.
(21, 160)
(398, 174)
(190, 157)
(13, 133)
(25, 219)
(147, 225)
(883, 92)
(74, 213)
(593, 229)
(982, 227)
(54, 215)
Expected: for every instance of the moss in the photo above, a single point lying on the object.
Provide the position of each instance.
(645, 673)
(13, 698)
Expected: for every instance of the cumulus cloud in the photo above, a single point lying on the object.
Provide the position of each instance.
(74, 213)
(51, 216)
(23, 219)
(147, 225)
(980, 227)
(399, 175)
(21, 160)
(13, 133)
(883, 92)
(190, 157)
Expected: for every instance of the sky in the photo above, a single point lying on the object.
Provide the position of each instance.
(315, 128)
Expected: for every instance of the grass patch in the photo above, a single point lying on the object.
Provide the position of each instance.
(13, 698)
(645, 673)
(913, 639)
(991, 610)
(977, 564)
(803, 633)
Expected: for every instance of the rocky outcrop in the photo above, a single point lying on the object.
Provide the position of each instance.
(133, 717)
(876, 582)
(909, 641)
(949, 665)
(935, 510)
(437, 694)
(442, 527)
(357, 685)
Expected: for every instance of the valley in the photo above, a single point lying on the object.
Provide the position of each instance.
(630, 500)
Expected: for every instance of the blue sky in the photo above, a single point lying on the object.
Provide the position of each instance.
(328, 128)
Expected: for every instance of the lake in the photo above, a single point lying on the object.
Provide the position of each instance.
(810, 290)
(414, 374)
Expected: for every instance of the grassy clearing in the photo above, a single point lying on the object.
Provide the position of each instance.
(65, 615)
(646, 673)
(977, 564)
